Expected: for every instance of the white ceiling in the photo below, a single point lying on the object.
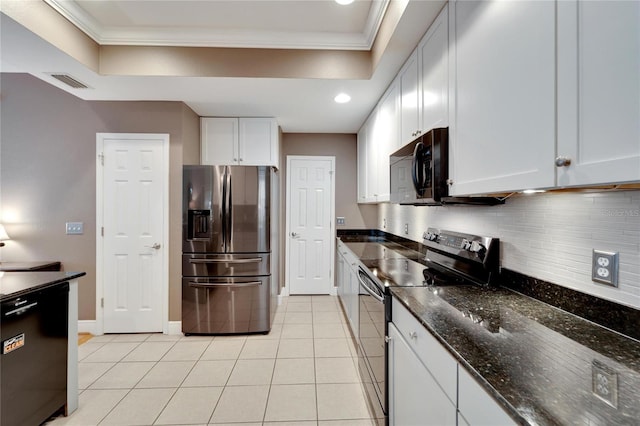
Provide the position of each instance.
(320, 24)
(300, 105)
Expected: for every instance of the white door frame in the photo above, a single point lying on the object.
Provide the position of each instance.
(100, 138)
(332, 226)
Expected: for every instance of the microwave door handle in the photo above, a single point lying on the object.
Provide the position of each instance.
(416, 169)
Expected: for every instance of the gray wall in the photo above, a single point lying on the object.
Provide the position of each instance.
(48, 174)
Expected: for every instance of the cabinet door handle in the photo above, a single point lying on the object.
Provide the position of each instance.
(563, 161)
(413, 335)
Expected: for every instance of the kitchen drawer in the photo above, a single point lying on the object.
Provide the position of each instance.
(439, 362)
(350, 257)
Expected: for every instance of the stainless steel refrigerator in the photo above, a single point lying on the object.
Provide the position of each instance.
(228, 235)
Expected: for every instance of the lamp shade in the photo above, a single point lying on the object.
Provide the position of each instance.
(3, 233)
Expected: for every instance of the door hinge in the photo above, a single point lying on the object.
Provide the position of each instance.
(102, 231)
(101, 157)
(102, 302)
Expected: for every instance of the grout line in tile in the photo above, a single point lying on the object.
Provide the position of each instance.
(279, 338)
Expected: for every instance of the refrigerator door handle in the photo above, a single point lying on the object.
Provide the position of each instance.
(214, 285)
(229, 211)
(247, 260)
(224, 210)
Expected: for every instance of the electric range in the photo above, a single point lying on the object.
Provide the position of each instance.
(452, 260)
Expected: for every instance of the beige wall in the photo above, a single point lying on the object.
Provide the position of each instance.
(344, 148)
(48, 174)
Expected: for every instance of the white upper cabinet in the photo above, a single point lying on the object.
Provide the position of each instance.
(218, 140)
(409, 100)
(386, 139)
(433, 55)
(536, 94)
(239, 141)
(362, 164)
(598, 92)
(502, 108)
(424, 83)
(377, 139)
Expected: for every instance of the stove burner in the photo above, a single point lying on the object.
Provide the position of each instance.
(439, 278)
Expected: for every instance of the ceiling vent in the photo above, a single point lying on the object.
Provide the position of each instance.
(69, 81)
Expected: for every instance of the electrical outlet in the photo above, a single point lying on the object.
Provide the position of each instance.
(604, 267)
(406, 229)
(384, 223)
(340, 221)
(604, 383)
(75, 228)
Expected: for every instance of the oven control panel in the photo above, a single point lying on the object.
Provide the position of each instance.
(472, 246)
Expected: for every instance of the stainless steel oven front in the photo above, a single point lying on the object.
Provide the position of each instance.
(372, 322)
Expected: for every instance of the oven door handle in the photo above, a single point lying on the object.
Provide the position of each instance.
(371, 292)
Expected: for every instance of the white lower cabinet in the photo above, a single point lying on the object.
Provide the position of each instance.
(348, 285)
(415, 398)
(476, 407)
(426, 384)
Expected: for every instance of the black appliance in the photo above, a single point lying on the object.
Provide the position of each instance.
(419, 173)
(451, 259)
(33, 361)
(228, 285)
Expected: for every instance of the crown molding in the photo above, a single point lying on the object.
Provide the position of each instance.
(190, 37)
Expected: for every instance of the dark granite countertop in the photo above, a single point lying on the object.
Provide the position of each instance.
(14, 284)
(52, 265)
(537, 361)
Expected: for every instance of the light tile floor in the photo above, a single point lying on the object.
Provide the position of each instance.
(303, 373)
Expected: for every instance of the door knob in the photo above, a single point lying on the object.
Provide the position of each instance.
(294, 234)
(156, 246)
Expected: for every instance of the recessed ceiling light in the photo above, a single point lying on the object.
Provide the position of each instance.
(344, 2)
(342, 98)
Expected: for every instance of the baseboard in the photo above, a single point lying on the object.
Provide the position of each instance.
(174, 327)
(87, 326)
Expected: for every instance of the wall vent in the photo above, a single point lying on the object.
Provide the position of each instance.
(69, 81)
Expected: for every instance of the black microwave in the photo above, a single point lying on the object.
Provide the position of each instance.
(420, 169)
(419, 173)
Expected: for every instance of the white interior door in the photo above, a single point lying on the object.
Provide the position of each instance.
(132, 247)
(310, 211)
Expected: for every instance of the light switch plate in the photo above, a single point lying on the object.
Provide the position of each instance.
(340, 221)
(605, 267)
(75, 228)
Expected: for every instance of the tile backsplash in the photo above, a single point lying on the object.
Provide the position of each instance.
(549, 236)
